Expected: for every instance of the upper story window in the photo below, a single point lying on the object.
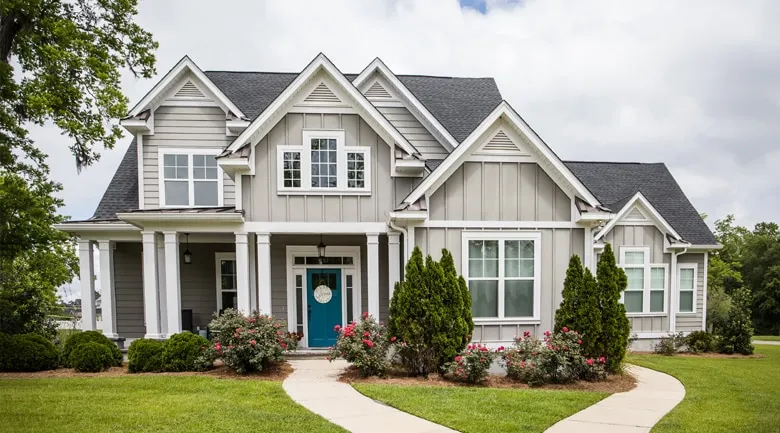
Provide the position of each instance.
(189, 178)
(324, 164)
(646, 289)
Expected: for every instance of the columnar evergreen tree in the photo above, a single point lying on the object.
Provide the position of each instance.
(615, 327)
(572, 290)
(580, 309)
(463, 326)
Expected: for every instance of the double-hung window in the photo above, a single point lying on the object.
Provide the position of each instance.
(503, 274)
(646, 289)
(324, 164)
(189, 178)
(686, 273)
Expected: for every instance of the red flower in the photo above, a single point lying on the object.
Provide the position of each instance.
(589, 361)
(458, 358)
(565, 329)
(337, 328)
(500, 349)
(392, 340)
(547, 333)
(252, 342)
(526, 334)
(366, 334)
(579, 342)
(365, 315)
(284, 345)
(368, 343)
(602, 360)
(482, 360)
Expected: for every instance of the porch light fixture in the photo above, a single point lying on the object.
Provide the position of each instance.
(321, 250)
(187, 253)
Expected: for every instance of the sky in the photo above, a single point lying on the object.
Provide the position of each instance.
(693, 84)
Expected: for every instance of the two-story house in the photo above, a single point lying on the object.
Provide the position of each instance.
(303, 195)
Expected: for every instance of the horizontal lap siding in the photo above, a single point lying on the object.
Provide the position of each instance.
(128, 283)
(184, 127)
(422, 140)
(693, 322)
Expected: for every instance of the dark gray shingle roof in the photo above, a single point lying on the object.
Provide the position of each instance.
(614, 183)
(122, 191)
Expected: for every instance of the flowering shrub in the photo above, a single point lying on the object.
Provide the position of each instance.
(556, 359)
(247, 343)
(363, 344)
(471, 364)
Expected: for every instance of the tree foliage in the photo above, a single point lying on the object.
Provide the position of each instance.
(615, 327)
(580, 309)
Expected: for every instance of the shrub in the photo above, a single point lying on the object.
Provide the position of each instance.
(700, 342)
(430, 312)
(736, 333)
(145, 356)
(246, 343)
(615, 327)
(91, 357)
(27, 352)
(556, 359)
(580, 308)
(182, 350)
(471, 364)
(364, 344)
(670, 344)
(79, 338)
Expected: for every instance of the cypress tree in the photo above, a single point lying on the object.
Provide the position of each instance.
(616, 328)
(463, 325)
(580, 309)
(566, 315)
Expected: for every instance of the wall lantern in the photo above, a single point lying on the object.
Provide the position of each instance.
(187, 253)
(321, 250)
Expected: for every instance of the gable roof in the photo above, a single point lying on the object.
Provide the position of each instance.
(615, 183)
(122, 191)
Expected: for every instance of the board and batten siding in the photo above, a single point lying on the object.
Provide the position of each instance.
(128, 289)
(183, 127)
(499, 191)
(687, 322)
(558, 245)
(262, 202)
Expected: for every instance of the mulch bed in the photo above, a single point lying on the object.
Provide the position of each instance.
(276, 372)
(615, 383)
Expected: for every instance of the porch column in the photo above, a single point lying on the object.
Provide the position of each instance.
(242, 273)
(393, 262)
(172, 283)
(372, 244)
(264, 272)
(87, 279)
(161, 292)
(107, 291)
(588, 249)
(151, 300)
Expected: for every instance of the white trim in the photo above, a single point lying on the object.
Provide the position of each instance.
(695, 268)
(456, 158)
(505, 321)
(647, 289)
(372, 268)
(239, 192)
(649, 335)
(212, 218)
(316, 228)
(96, 227)
(140, 169)
(299, 109)
(588, 254)
(502, 236)
(534, 225)
(393, 261)
(659, 221)
(87, 282)
(107, 288)
(150, 290)
(706, 289)
(264, 291)
(172, 283)
(218, 257)
(242, 273)
(184, 65)
(377, 65)
(190, 152)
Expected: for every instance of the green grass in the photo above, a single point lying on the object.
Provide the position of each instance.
(483, 410)
(152, 404)
(722, 395)
(767, 337)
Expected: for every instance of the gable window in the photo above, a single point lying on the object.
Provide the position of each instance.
(189, 178)
(323, 164)
(502, 270)
(687, 283)
(646, 289)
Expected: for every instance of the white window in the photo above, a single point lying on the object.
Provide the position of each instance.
(687, 282)
(324, 164)
(189, 178)
(503, 273)
(646, 289)
(227, 293)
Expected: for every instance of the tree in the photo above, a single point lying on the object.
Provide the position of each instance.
(566, 314)
(721, 276)
(736, 334)
(460, 296)
(616, 328)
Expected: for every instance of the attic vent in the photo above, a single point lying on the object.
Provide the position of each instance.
(501, 143)
(635, 214)
(377, 91)
(189, 91)
(322, 94)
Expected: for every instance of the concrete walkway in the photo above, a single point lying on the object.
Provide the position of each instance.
(767, 342)
(635, 411)
(314, 385)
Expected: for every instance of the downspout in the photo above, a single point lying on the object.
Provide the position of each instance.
(674, 290)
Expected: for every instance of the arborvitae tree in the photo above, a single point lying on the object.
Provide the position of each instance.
(580, 309)
(737, 331)
(615, 327)
(426, 314)
(463, 326)
(566, 315)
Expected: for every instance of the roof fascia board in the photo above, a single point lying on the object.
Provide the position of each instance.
(183, 66)
(321, 62)
(138, 217)
(86, 226)
(377, 65)
(659, 221)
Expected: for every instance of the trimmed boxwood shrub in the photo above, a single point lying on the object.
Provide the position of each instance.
(91, 357)
(145, 356)
(182, 350)
(90, 336)
(27, 352)
(700, 342)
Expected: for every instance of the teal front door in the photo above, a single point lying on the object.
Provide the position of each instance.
(323, 298)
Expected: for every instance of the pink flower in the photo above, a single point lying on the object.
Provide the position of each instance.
(458, 358)
(368, 343)
(284, 345)
(252, 342)
(526, 334)
(365, 315)
(589, 361)
(547, 333)
(602, 360)
(366, 334)
(579, 342)
(565, 329)
(500, 349)
(337, 328)
(392, 340)
(482, 360)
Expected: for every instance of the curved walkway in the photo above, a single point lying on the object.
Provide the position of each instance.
(635, 411)
(314, 385)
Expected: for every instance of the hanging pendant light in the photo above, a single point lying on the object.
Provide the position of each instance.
(321, 250)
(187, 253)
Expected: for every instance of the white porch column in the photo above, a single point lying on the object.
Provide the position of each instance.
(264, 272)
(393, 261)
(151, 300)
(172, 283)
(242, 273)
(372, 244)
(161, 292)
(107, 291)
(87, 279)
(587, 259)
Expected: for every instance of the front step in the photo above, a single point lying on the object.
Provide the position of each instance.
(308, 353)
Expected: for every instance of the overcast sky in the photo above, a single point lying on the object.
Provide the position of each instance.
(694, 84)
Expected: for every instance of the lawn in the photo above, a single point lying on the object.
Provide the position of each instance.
(152, 404)
(483, 410)
(766, 337)
(722, 395)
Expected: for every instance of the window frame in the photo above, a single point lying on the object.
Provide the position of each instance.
(695, 268)
(647, 288)
(341, 165)
(218, 258)
(190, 153)
(502, 237)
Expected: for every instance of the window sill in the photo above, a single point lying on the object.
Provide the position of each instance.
(646, 314)
(687, 313)
(323, 192)
(506, 321)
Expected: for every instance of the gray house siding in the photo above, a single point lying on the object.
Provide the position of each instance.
(128, 286)
(183, 127)
(414, 131)
(687, 322)
(500, 191)
(199, 281)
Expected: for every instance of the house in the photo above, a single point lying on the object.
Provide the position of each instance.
(303, 195)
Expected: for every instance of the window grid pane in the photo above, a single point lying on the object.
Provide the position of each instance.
(634, 258)
(636, 279)
(292, 169)
(356, 170)
(175, 166)
(484, 298)
(324, 167)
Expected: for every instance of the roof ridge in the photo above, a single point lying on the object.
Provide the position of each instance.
(614, 162)
(449, 77)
